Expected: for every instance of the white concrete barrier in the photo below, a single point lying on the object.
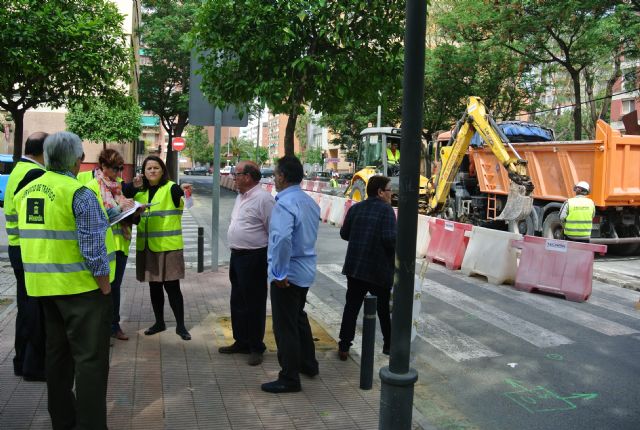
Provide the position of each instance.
(422, 241)
(490, 254)
(337, 211)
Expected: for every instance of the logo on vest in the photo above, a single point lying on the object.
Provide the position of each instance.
(35, 211)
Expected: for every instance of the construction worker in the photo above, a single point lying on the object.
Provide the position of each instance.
(577, 214)
(393, 153)
(334, 180)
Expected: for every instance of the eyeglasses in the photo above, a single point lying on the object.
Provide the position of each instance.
(387, 189)
(240, 173)
(118, 168)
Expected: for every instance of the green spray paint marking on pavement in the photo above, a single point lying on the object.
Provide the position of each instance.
(556, 357)
(540, 399)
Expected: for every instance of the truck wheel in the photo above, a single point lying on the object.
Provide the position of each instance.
(552, 227)
(524, 226)
(358, 190)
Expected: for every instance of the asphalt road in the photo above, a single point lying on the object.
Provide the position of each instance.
(490, 357)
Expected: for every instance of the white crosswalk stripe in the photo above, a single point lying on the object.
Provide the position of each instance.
(460, 346)
(550, 305)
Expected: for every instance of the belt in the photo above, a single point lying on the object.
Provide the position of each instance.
(247, 251)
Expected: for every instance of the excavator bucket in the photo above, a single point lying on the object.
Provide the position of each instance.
(519, 204)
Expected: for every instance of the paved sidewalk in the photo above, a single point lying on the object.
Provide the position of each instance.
(161, 381)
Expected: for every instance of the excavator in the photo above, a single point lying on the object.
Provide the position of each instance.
(434, 192)
(477, 119)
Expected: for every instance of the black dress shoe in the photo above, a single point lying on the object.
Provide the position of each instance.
(386, 349)
(310, 373)
(156, 328)
(183, 333)
(234, 349)
(34, 378)
(280, 387)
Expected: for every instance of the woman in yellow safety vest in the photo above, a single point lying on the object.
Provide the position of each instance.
(115, 197)
(159, 246)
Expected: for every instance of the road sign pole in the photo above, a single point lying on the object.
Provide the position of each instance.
(398, 379)
(215, 195)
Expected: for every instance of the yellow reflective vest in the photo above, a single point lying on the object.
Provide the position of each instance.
(53, 262)
(579, 221)
(115, 231)
(160, 227)
(85, 177)
(391, 158)
(11, 215)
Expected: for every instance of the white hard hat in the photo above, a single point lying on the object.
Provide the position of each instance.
(584, 185)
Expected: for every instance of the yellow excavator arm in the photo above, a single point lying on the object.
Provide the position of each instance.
(477, 119)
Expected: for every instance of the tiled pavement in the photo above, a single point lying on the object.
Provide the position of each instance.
(162, 382)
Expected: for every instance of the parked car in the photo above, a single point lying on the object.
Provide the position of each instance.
(345, 178)
(226, 170)
(267, 172)
(204, 171)
(319, 176)
(6, 166)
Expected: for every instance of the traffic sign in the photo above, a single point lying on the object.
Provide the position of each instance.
(177, 143)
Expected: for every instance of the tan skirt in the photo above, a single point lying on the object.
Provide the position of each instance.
(159, 266)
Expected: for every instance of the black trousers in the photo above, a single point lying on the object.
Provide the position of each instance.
(248, 276)
(121, 265)
(30, 335)
(296, 351)
(78, 331)
(356, 290)
(175, 301)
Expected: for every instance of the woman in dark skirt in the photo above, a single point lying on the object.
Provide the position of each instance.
(159, 255)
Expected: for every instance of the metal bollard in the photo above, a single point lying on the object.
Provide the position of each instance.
(200, 249)
(368, 342)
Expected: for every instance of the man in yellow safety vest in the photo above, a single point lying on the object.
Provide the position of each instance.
(577, 214)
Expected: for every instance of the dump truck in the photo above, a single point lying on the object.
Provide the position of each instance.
(610, 164)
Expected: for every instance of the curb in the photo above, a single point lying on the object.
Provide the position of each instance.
(605, 277)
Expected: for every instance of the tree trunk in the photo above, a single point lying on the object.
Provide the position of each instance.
(290, 132)
(590, 128)
(577, 111)
(170, 161)
(605, 113)
(18, 120)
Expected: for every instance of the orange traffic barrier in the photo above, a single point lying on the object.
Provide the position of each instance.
(556, 266)
(448, 242)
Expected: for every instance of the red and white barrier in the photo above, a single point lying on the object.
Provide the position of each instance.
(325, 207)
(556, 266)
(490, 254)
(448, 242)
(422, 241)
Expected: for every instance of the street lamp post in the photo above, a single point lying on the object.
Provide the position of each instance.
(398, 379)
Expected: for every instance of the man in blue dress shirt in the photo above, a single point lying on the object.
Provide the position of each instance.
(293, 231)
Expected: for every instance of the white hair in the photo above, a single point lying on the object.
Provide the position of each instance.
(62, 150)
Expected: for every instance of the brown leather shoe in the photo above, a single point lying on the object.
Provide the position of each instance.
(120, 335)
(343, 355)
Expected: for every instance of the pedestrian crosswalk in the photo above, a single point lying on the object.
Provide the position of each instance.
(608, 312)
(190, 239)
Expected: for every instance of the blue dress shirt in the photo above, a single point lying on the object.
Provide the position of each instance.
(293, 232)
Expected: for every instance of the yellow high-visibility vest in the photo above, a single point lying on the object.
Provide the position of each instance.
(579, 221)
(85, 177)
(391, 158)
(11, 215)
(115, 231)
(160, 226)
(53, 262)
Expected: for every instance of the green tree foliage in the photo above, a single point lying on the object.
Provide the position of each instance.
(197, 146)
(453, 72)
(263, 155)
(312, 156)
(574, 34)
(164, 82)
(105, 122)
(54, 52)
(242, 149)
(296, 53)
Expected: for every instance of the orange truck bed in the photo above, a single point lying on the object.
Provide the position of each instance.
(611, 164)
